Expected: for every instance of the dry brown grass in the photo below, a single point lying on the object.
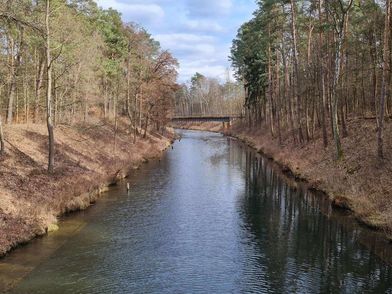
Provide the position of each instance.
(86, 161)
(359, 181)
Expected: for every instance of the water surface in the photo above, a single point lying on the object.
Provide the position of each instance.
(211, 216)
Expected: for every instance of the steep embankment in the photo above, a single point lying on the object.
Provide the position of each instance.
(88, 158)
(359, 182)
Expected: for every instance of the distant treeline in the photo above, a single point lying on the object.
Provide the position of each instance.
(208, 96)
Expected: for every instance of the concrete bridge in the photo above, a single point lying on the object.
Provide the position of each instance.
(206, 118)
(225, 119)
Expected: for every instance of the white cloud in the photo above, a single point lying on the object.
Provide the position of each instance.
(184, 37)
(197, 53)
(188, 69)
(188, 45)
(204, 26)
(136, 12)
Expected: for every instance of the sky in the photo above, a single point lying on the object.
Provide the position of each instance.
(197, 32)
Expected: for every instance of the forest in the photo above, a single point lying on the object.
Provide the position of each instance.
(309, 68)
(315, 65)
(68, 62)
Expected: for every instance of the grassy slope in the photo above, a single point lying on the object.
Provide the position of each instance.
(359, 182)
(31, 200)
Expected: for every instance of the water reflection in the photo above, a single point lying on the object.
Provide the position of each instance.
(211, 217)
(301, 249)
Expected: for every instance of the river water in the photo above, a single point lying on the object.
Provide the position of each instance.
(211, 216)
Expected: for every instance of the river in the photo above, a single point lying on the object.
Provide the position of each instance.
(211, 216)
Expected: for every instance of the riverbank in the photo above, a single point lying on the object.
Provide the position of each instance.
(359, 182)
(89, 158)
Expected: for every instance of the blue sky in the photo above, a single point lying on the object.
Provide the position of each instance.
(197, 32)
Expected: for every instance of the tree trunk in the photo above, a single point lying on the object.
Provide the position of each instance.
(140, 107)
(2, 144)
(278, 98)
(128, 101)
(11, 94)
(340, 32)
(296, 69)
(270, 93)
(286, 94)
(115, 130)
(335, 101)
(105, 99)
(38, 85)
(146, 126)
(322, 77)
(385, 86)
(147, 121)
(75, 84)
(135, 120)
(26, 103)
(49, 119)
(308, 82)
(14, 68)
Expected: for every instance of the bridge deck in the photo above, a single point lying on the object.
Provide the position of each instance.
(205, 118)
